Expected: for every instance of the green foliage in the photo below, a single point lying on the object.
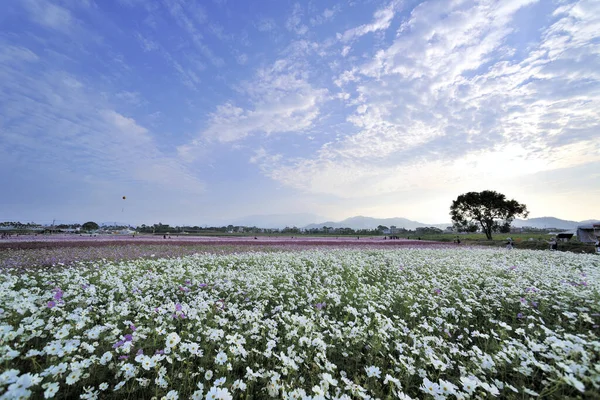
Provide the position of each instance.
(90, 226)
(490, 209)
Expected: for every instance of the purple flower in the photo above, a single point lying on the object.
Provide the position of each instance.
(51, 304)
(129, 337)
(178, 307)
(203, 285)
(58, 295)
(520, 315)
(523, 300)
(160, 352)
(123, 357)
(132, 327)
(188, 282)
(513, 267)
(320, 306)
(534, 304)
(184, 289)
(140, 352)
(119, 343)
(437, 291)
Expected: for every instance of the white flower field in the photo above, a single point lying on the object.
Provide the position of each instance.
(313, 324)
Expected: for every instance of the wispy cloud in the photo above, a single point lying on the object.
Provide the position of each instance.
(294, 21)
(282, 101)
(189, 16)
(327, 15)
(50, 15)
(381, 21)
(69, 124)
(447, 95)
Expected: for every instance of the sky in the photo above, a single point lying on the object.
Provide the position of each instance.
(203, 112)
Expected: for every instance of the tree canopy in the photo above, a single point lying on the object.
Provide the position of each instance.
(90, 226)
(489, 209)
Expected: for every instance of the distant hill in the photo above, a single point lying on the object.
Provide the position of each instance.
(551, 222)
(361, 222)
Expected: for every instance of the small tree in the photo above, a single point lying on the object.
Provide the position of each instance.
(381, 228)
(489, 209)
(90, 226)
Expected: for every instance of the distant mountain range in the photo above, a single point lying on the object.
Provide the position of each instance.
(361, 222)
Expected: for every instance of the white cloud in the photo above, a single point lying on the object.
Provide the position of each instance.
(16, 54)
(50, 15)
(326, 15)
(189, 16)
(282, 101)
(381, 21)
(446, 102)
(294, 21)
(69, 126)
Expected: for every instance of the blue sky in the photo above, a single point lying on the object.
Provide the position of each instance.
(203, 112)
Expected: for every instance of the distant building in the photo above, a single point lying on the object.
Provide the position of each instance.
(588, 233)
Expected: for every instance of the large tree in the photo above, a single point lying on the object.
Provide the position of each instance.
(490, 209)
(90, 226)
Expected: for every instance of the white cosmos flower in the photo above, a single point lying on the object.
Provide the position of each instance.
(469, 385)
(329, 379)
(216, 393)
(172, 340)
(221, 358)
(51, 390)
(373, 371)
(73, 377)
(106, 357)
